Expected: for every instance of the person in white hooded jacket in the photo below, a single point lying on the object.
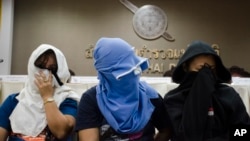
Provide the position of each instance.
(45, 108)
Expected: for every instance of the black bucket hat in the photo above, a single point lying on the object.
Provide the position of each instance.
(198, 48)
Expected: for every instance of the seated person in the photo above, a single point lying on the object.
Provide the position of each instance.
(44, 109)
(121, 107)
(202, 108)
(238, 72)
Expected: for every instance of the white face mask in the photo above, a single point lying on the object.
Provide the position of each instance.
(46, 73)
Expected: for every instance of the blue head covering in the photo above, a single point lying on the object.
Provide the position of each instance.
(122, 98)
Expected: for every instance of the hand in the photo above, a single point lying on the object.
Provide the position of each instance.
(44, 84)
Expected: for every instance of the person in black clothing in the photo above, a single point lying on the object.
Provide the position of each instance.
(121, 107)
(202, 107)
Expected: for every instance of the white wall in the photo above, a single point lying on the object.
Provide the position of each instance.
(6, 31)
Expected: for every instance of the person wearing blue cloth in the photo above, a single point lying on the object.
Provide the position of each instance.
(45, 109)
(121, 107)
(204, 107)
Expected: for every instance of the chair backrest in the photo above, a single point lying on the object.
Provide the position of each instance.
(78, 87)
(8, 88)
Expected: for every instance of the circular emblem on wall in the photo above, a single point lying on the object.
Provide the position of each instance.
(149, 22)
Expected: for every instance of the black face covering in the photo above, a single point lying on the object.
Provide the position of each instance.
(190, 77)
(200, 107)
(197, 48)
(198, 102)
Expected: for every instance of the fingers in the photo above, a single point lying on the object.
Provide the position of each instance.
(45, 76)
(39, 78)
(44, 83)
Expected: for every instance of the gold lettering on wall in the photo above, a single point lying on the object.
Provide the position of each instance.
(89, 52)
(216, 48)
(155, 68)
(155, 55)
